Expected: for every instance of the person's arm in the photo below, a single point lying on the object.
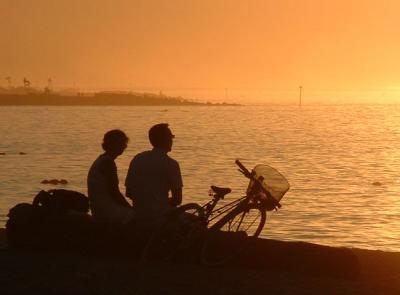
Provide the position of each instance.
(128, 182)
(176, 198)
(176, 184)
(109, 170)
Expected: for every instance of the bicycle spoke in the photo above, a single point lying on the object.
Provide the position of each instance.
(241, 219)
(253, 222)
(234, 223)
(244, 222)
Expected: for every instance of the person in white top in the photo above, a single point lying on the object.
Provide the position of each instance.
(106, 201)
(153, 175)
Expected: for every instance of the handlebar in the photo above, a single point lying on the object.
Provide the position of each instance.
(243, 169)
(250, 175)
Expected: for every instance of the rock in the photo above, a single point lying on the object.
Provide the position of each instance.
(54, 181)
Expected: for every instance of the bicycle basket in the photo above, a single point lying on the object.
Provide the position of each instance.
(274, 182)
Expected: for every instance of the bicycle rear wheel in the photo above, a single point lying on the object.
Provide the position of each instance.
(173, 235)
(233, 234)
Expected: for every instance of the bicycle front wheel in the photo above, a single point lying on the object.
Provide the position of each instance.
(233, 234)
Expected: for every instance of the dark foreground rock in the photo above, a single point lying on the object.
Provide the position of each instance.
(86, 237)
(54, 272)
(300, 257)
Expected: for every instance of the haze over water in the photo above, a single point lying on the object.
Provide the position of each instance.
(343, 162)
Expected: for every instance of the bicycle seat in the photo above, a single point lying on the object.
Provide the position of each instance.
(221, 191)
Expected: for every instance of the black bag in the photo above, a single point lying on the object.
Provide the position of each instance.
(47, 222)
(60, 202)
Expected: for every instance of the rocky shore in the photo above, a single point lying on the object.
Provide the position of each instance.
(285, 268)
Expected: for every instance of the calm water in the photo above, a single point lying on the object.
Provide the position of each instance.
(330, 155)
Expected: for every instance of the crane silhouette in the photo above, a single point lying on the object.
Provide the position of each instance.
(27, 83)
(8, 79)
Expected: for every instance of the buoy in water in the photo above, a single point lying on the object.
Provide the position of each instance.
(22, 153)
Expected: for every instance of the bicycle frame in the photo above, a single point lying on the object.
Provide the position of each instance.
(196, 222)
(211, 214)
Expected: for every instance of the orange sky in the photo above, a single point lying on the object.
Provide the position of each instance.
(320, 44)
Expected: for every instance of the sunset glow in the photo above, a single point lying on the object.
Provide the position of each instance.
(200, 147)
(340, 45)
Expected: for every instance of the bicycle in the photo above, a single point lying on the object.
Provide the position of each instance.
(237, 223)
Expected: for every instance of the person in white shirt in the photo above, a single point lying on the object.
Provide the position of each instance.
(107, 204)
(154, 181)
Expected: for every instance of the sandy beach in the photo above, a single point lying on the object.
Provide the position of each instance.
(24, 272)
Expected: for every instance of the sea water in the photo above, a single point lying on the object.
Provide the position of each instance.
(342, 162)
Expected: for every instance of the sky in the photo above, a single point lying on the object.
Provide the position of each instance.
(204, 45)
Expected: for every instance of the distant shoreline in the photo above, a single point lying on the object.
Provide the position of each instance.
(99, 99)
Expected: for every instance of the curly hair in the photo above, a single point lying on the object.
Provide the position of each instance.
(114, 137)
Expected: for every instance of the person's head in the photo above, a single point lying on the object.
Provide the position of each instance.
(115, 142)
(161, 136)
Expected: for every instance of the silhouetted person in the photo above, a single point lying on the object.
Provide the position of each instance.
(152, 175)
(106, 201)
